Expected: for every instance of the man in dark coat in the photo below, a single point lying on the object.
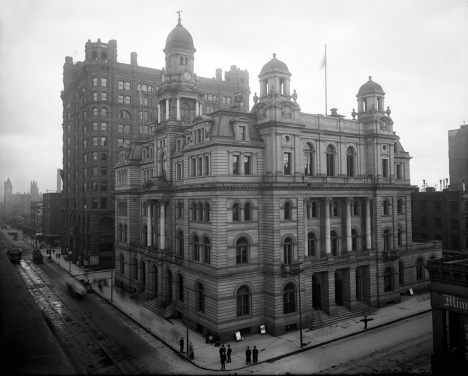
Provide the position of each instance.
(255, 354)
(222, 350)
(229, 351)
(223, 360)
(248, 354)
(181, 342)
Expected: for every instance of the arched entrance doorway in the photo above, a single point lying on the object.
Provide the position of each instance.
(358, 285)
(338, 289)
(316, 293)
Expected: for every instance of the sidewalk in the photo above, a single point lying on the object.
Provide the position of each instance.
(270, 347)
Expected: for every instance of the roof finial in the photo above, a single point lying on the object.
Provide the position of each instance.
(370, 78)
(274, 56)
(179, 11)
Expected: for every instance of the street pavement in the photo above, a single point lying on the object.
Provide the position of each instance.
(270, 348)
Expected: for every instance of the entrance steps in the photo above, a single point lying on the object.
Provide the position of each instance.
(321, 319)
(152, 305)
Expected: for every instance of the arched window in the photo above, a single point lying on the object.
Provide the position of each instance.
(122, 264)
(180, 243)
(400, 206)
(330, 155)
(242, 251)
(387, 240)
(454, 224)
(289, 299)
(95, 111)
(124, 115)
(235, 212)
(243, 301)
(354, 240)
(309, 160)
(194, 211)
(388, 279)
(162, 164)
(420, 269)
(184, 112)
(103, 111)
(386, 207)
(311, 244)
(200, 298)
(200, 212)
(288, 251)
(207, 250)
(334, 242)
(287, 211)
(247, 212)
(401, 273)
(207, 212)
(350, 162)
(195, 248)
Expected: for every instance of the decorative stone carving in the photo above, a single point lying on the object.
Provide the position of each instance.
(353, 114)
(294, 96)
(255, 98)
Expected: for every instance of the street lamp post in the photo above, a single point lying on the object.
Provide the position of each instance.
(186, 323)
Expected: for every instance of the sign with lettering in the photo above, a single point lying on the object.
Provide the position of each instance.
(262, 329)
(455, 303)
(94, 260)
(238, 337)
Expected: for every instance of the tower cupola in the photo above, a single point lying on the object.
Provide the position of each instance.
(275, 78)
(370, 98)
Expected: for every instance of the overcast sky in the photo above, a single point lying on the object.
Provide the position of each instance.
(417, 50)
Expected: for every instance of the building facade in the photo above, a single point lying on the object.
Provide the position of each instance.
(107, 104)
(441, 216)
(17, 206)
(449, 301)
(249, 216)
(52, 217)
(458, 157)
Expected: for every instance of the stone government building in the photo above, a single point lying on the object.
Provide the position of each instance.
(237, 217)
(107, 104)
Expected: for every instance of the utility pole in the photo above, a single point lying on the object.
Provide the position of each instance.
(300, 309)
(186, 323)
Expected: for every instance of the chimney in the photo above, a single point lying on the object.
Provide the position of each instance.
(219, 74)
(133, 58)
(463, 185)
(59, 181)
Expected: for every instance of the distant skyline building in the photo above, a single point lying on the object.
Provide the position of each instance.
(458, 157)
(108, 104)
(18, 205)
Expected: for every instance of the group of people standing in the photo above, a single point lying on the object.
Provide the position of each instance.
(225, 355)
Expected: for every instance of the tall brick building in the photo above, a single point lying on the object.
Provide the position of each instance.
(458, 157)
(237, 218)
(107, 104)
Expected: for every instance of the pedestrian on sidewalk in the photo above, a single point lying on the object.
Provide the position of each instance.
(248, 353)
(229, 351)
(53, 251)
(255, 354)
(223, 361)
(181, 343)
(192, 353)
(222, 350)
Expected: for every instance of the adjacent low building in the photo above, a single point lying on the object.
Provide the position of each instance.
(234, 220)
(449, 301)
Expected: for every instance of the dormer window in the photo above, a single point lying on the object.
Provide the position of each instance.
(241, 133)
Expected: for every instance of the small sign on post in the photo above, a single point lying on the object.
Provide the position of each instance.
(238, 337)
(410, 291)
(262, 329)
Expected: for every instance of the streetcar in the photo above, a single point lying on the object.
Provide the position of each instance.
(38, 256)
(14, 253)
(75, 287)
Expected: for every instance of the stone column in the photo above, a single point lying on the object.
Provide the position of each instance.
(241, 166)
(197, 108)
(326, 203)
(162, 224)
(306, 243)
(368, 224)
(349, 245)
(167, 108)
(178, 108)
(159, 112)
(149, 222)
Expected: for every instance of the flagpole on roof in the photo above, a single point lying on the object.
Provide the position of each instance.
(326, 106)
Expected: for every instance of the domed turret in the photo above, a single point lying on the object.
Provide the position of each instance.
(370, 98)
(179, 37)
(274, 65)
(274, 78)
(370, 87)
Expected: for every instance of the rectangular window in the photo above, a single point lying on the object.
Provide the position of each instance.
(95, 156)
(241, 133)
(103, 186)
(95, 141)
(95, 126)
(104, 126)
(85, 187)
(127, 85)
(127, 128)
(104, 203)
(95, 171)
(247, 169)
(103, 156)
(128, 141)
(398, 171)
(193, 167)
(235, 164)
(121, 98)
(120, 128)
(200, 166)
(454, 206)
(85, 158)
(120, 141)
(103, 81)
(287, 164)
(94, 203)
(85, 204)
(179, 171)
(423, 221)
(95, 96)
(121, 85)
(145, 101)
(455, 240)
(103, 96)
(127, 99)
(437, 206)
(103, 141)
(85, 172)
(207, 165)
(103, 170)
(437, 222)
(95, 186)
(422, 205)
(385, 168)
(94, 81)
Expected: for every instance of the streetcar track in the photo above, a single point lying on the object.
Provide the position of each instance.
(91, 349)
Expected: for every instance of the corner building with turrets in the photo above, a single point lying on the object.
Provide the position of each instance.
(107, 104)
(274, 217)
